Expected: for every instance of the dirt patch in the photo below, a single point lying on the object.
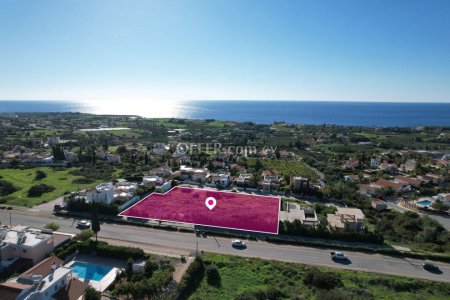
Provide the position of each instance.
(181, 268)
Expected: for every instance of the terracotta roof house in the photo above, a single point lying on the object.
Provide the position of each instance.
(43, 268)
(46, 280)
(397, 186)
(12, 290)
(409, 180)
(73, 290)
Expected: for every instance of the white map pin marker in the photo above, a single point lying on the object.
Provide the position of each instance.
(210, 202)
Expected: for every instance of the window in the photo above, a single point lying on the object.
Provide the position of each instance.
(24, 250)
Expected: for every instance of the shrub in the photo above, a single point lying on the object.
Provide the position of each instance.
(66, 250)
(83, 180)
(104, 250)
(53, 226)
(7, 188)
(271, 293)
(334, 294)
(213, 276)
(40, 175)
(39, 189)
(321, 280)
(85, 234)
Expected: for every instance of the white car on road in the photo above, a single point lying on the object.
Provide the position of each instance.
(238, 244)
(338, 255)
(84, 224)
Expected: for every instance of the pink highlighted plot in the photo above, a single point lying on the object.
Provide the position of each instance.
(195, 206)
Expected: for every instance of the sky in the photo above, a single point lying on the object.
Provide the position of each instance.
(355, 50)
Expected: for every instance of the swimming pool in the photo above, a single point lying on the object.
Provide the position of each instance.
(89, 271)
(424, 203)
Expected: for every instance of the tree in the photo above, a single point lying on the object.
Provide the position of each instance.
(129, 269)
(150, 267)
(121, 150)
(38, 190)
(258, 165)
(91, 294)
(213, 276)
(146, 158)
(94, 157)
(80, 154)
(95, 223)
(440, 206)
(58, 153)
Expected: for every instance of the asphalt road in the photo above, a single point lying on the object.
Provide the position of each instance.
(184, 243)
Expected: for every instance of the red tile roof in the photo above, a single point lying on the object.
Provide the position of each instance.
(11, 290)
(44, 267)
(386, 183)
(413, 181)
(73, 290)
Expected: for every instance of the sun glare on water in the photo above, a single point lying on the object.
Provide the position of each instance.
(149, 109)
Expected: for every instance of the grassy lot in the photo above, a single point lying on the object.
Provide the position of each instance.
(167, 123)
(288, 167)
(220, 124)
(244, 278)
(24, 179)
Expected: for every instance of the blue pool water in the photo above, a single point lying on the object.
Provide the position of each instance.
(90, 271)
(424, 203)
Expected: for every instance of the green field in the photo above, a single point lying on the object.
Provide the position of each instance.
(287, 167)
(245, 278)
(25, 178)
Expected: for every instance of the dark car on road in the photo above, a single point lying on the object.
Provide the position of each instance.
(430, 267)
(58, 207)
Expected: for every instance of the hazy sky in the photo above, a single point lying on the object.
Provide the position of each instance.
(391, 50)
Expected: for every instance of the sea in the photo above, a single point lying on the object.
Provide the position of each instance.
(370, 114)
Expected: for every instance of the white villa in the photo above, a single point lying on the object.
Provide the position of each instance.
(21, 242)
(102, 193)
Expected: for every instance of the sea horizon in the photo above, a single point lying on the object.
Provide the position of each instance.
(338, 112)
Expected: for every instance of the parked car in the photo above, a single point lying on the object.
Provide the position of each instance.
(58, 207)
(238, 244)
(338, 255)
(84, 224)
(429, 266)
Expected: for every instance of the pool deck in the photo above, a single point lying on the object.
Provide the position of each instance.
(108, 279)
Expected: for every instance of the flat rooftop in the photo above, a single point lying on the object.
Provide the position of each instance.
(232, 211)
(33, 237)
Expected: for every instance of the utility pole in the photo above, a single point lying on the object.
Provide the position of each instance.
(10, 222)
(196, 249)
